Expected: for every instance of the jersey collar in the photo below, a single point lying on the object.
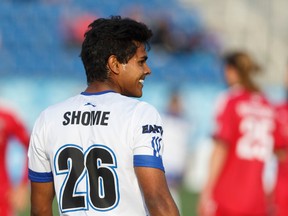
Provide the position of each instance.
(97, 93)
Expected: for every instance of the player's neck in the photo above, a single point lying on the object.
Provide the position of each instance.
(99, 87)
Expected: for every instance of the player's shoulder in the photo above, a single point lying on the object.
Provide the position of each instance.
(222, 100)
(5, 111)
(230, 93)
(236, 94)
(227, 99)
(139, 108)
(282, 106)
(61, 105)
(135, 102)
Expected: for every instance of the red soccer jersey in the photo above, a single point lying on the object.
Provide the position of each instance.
(10, 126)
(281, 186)
(245, 121)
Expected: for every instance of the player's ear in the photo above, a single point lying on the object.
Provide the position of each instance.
(113, 64)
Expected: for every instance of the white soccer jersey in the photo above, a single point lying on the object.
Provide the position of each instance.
(88, 145)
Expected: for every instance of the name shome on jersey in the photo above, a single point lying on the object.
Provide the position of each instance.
(86, 118)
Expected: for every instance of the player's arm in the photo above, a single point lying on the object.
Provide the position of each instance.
(19, 193)
(42, 195)
(206, 204)
(280, 140)
(21, 133)
(156, 193)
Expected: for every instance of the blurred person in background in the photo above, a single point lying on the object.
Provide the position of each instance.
(13, 197)
(280, 193)
(243, 142)
(73, 26)
(176, 138)
(101, 151)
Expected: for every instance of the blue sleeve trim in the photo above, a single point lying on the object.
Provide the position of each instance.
(148, 161)
(40, 177)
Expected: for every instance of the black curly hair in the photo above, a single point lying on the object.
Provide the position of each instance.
(111, 36)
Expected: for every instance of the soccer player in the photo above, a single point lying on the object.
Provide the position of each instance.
(100, 151)
(13, 197)
(243, 141)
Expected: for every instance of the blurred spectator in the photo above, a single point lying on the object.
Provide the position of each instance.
(171, 34)
(162, 36)
(243, 142)
(176, 139)
(13, 197)
(281, 188)
(74, 26)
(136, 12)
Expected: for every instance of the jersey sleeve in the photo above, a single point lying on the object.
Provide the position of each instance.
(223, 120)
(281, 129)
(38, 162)
(147, 137)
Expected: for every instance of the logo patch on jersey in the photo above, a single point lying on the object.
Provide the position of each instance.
(89, 104)
(152, 129)
(156, 144)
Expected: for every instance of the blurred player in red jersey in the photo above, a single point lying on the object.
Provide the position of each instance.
(13, 198)
(243, 141)
(281, 188)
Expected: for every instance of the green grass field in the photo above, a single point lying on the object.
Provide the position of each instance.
(189, 201)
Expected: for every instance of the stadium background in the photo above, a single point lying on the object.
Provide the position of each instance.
(40, 64)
